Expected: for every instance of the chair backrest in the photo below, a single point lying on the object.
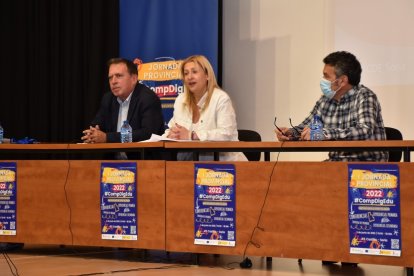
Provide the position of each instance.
(247, 135)
(394, 134)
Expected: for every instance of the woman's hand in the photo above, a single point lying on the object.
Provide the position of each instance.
(179, 132)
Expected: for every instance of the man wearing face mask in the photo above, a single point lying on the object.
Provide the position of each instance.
(348, 110)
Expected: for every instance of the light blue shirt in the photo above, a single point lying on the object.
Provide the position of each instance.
(122, 116)
(123, 111)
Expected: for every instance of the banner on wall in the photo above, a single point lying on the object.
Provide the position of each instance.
(374, 209)
(214, 204)
(159, 34)
(162, 76)
(119, 201)
(8, 198)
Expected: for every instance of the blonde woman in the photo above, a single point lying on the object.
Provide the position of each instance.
(203, 112)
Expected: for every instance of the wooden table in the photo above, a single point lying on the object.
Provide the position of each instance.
(304, 215)
(58, 202)
(63, 148)
(406, 146)
(304, 204)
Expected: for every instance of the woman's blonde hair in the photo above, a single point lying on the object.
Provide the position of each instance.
(211, 82)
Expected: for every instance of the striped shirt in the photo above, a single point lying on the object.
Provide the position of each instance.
(357, 116)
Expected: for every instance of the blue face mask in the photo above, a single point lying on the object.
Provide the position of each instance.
(326, 87)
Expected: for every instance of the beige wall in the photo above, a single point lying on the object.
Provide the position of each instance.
(273, 51)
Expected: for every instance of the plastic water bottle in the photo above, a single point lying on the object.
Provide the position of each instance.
(316, 129)
(126, 132)
(1, 134)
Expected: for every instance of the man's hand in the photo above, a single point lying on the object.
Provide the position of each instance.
(305, 135)
(284, 135)
(93, 135)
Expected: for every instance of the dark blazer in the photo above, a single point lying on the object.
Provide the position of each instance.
(144, 115)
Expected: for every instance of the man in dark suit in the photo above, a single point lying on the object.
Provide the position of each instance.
(130, 101)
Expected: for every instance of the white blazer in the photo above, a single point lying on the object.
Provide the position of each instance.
(216, 123)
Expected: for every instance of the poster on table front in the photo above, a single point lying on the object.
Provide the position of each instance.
(374, 209)
(8, 198)
(118, 201)
(214, 204)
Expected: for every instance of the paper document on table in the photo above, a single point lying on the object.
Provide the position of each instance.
(158, 138)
